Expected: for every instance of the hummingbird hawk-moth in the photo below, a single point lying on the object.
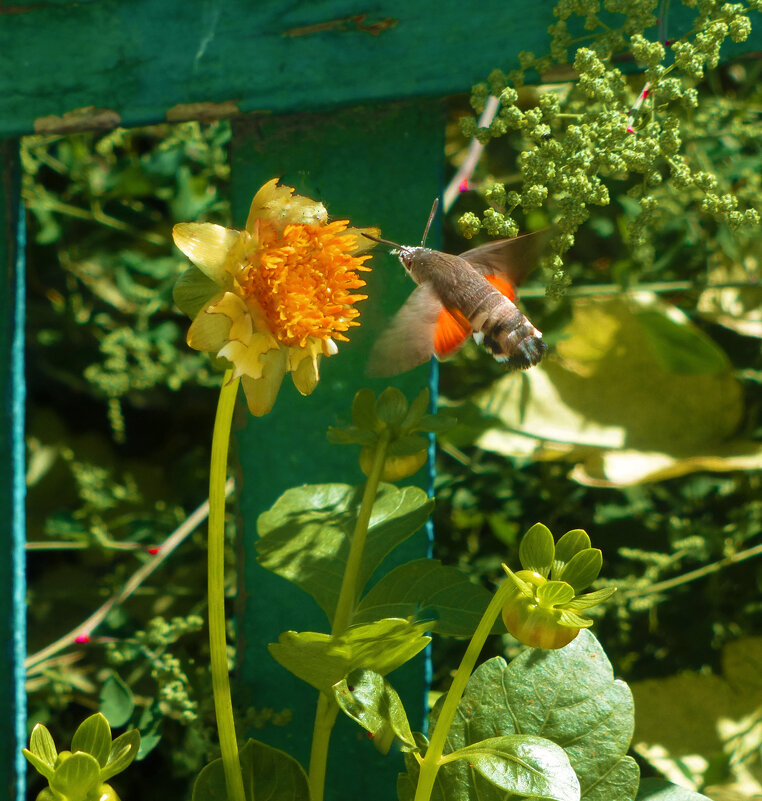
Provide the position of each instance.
(459, 296)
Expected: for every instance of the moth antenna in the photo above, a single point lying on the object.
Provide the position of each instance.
(434, 208)
(381, 241)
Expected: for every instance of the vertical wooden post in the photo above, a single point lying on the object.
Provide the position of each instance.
(12, 480)
(378, 165)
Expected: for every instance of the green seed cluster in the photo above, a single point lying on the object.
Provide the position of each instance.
(151, 647)
(574, 144)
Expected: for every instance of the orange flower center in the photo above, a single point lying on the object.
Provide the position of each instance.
(303, 280)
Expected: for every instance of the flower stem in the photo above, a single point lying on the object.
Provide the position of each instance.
(432, 760)
(218, 655)
(325, 716)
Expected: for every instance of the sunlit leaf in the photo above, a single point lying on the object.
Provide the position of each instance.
(268, 774)
(123, 751)
(369, 699)
(322, 660)
(568, 696)
(426, 587)
(76, 776)
(524, 765)
(305, 536)
(93, 736)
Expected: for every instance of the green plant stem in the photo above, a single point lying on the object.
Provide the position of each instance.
(218, 656)
(327, 709)
(433, 758)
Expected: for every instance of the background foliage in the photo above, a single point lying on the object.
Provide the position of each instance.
(118, 407)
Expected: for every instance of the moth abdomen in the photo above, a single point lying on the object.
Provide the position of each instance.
(511, 338)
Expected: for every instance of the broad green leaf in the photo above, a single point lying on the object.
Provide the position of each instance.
(93, 736)
(523, 764)
(702, 714)
(583, 568)
(42, 767)
(268, 775)
(116, 701)
(42, 746)
(659, 790)
(680, 347)
(322, 660)
(537, 549)
(622, 414)
(424, 586)
(369, 699)
(570, 544)
(76, 776)
(305, 536)
(123, 750)
(568, 696)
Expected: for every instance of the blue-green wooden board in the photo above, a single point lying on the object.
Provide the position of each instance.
(141, 61)
(12, 480)
(379, 165)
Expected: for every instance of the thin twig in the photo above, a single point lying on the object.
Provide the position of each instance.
(85, 629)
(694, 575)
(464, 173)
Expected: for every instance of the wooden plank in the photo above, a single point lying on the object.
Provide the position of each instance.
(380, 166)
(142, 61)
(12, 481)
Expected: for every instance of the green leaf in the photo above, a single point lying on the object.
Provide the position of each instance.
(322, 660)
(524, 765)
(392, 406)
(583, 568)
(42, 746)
(369, 699)
(572, 620)
(555, 593)
(42, 767)
(305, 536)
(680, 347)
(536, 550)
(193, 290)
(116, 701)
(93, 736)
(76, 776)
(268, 775)
(123, 750)
(568, 696)
(659, 790)
(436, 423)
(570, 544)
(364, 410)
(426, 585)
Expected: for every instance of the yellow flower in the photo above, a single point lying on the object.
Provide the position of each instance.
(276, 296)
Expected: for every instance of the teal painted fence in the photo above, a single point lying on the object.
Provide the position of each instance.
(374, 72)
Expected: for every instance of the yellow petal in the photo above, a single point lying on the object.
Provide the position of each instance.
(262, 392)
(306, 375)
(208, 330)
(276, 204)
(247, 357)
(207, 246)
(363, 243)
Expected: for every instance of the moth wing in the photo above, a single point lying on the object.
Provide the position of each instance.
(409, 338)
(515, 257)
